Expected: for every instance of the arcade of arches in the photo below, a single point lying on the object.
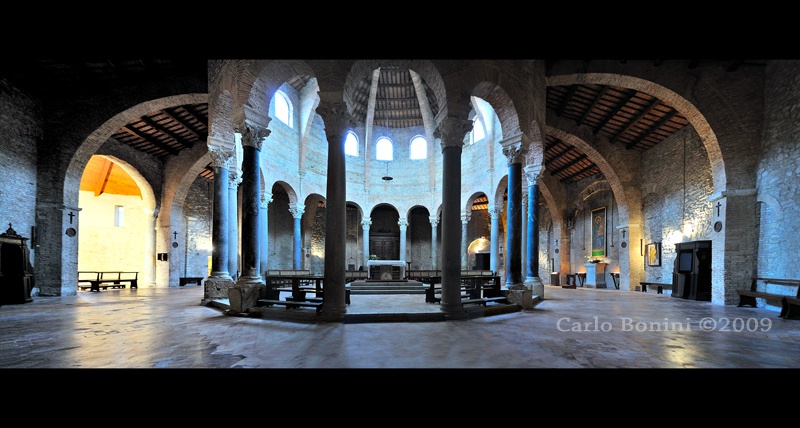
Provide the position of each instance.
(509, 181)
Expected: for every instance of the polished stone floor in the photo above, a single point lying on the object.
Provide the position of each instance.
(571, 328)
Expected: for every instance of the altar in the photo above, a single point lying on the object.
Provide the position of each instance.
(595, 275)
(390, 263)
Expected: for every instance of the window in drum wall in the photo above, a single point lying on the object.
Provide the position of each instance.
(283, 108)
(419, 148)
(119, 216)
(383, 149)
(351, 144)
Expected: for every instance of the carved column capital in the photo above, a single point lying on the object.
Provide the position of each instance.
(533, 173)
(403, 223)
(515, 148)
(253, 136)
(494, 212)
(434, 220)
(266, 198)
(452, 131)
(366, 223)
(220, 158)
(297, 210)
(465, 218)
(234, 180)
(336, 118)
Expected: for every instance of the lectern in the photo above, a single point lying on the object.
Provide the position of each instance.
(16, 272)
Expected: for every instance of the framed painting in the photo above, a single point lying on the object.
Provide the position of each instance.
(599, 232)
(653, 254)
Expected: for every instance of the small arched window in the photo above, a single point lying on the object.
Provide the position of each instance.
(477, 132)
(383, 149)
(351, 144)
(283, 108)
(419, 148)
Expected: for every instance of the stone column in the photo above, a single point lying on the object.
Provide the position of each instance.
(514, 150)
(464, 241)
(297, 249)
(266, 198)
(451, 131)
(524, 229)
(219, 282)
(434, 255)
(532, 280)
(233, 224)
(250, 284)
(337, 120)
(365, 227)
(403, 223)
(494, 239)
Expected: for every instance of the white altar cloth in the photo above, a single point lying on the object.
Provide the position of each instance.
(401, 263)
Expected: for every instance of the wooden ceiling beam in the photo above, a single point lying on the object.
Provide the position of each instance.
(133, 131)
(614, 113)
(567, 98)
(167, 132)
(105, 173)
(576, 174)
(634, 121)
(652, 129)
(568, 164)
(594, 104)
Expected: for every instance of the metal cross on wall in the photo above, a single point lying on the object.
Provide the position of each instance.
(71, 214)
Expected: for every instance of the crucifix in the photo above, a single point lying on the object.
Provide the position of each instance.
(719, 204)
(175, 235)
(623, 233)
(71, 214)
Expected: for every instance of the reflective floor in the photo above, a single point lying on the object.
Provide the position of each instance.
(571, 328)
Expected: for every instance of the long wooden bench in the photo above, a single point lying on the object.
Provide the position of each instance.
(483, 301)
(748, 297)
(792, 306)
(660, 286)
(95, 280)
(292, 303)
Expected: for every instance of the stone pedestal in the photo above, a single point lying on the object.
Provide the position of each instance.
(522, 298)
(595, 275)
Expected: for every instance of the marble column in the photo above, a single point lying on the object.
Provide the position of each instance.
(515, 151)
(434, 255)
(218, 283)
(233, 224)
(403, 223)
(532, 280)
(337, 120)
(252, 139)
(297, 248)
(266, 198)
(494, 239)
(464, 242)
(365, 228)
(451, 131)
(524, 229)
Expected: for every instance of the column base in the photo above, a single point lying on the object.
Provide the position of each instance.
(244, 295)
(536, 286)
(522, 297)
(216, 287)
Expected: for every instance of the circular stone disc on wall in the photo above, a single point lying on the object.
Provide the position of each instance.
(717, 226)
(71, 232)
(623, 244)
(174, 245)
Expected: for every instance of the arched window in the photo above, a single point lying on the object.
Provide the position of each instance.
(351, 144)
(477, 132)
(419, 148)
(283, 108)
(383, 149)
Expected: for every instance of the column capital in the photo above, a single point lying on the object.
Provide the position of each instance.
(220, 157)
(402, 222)
(253, 136)
(297, 210)
(365, 223)
(234, 180)
(336, 118)
(533, 173)
(452, 131)
(465, 218)
(515, 148)
(494, 211)
(434, 220)
(266, 198)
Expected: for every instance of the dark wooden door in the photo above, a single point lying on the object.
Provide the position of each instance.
(385, 247)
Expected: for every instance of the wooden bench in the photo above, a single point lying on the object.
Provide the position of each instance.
(353, 275)
(791, 306)
(95, 280)
(190, 280)
(660, 286)
(314, 303)
(748, 297)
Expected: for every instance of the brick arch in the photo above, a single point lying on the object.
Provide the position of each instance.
(683, 105)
